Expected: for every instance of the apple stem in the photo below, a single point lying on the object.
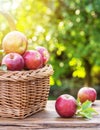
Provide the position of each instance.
(11, 56)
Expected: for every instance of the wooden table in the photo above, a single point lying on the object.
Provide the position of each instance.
(48, 119)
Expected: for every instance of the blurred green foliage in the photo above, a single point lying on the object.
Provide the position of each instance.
(69, 29)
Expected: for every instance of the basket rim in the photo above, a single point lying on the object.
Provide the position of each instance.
(26, 75)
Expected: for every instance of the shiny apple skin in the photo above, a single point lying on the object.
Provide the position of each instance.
(33, 59)
(13, 61)
(15, 41)
(87, 93)
(66, 105)
(44, 53)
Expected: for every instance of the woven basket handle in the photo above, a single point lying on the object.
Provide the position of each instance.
(12, 26)
(10, 20)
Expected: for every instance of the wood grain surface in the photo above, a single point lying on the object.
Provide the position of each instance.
(48, 119)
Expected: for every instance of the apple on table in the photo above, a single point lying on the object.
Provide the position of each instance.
(66, 105)
(87, 93)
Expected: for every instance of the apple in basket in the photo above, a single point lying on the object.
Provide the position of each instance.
(66, 105)
(33, 59)
(15, 41)
(13, 61)
(87, 93)
(44, 52)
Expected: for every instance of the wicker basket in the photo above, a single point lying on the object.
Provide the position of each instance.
(23, 93)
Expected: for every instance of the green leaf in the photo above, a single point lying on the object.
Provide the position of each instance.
(85, 110)
(86, 105)
(3, 67)
(86, 115)
(91, 110)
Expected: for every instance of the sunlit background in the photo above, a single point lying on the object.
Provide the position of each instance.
(69, 29)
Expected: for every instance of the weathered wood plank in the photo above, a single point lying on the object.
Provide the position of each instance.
(23, 128)
(49, 119)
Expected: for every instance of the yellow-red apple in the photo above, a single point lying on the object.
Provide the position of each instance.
(15, 41)
(87, 93)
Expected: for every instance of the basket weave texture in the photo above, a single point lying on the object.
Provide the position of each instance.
(23, 93)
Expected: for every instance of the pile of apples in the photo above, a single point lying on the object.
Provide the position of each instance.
(67, 106)
(17, 57)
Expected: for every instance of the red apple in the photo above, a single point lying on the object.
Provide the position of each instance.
(87, 93)
(66, 105)
(15, 41)
(44, 52)
(13, 61)
(33, 59)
